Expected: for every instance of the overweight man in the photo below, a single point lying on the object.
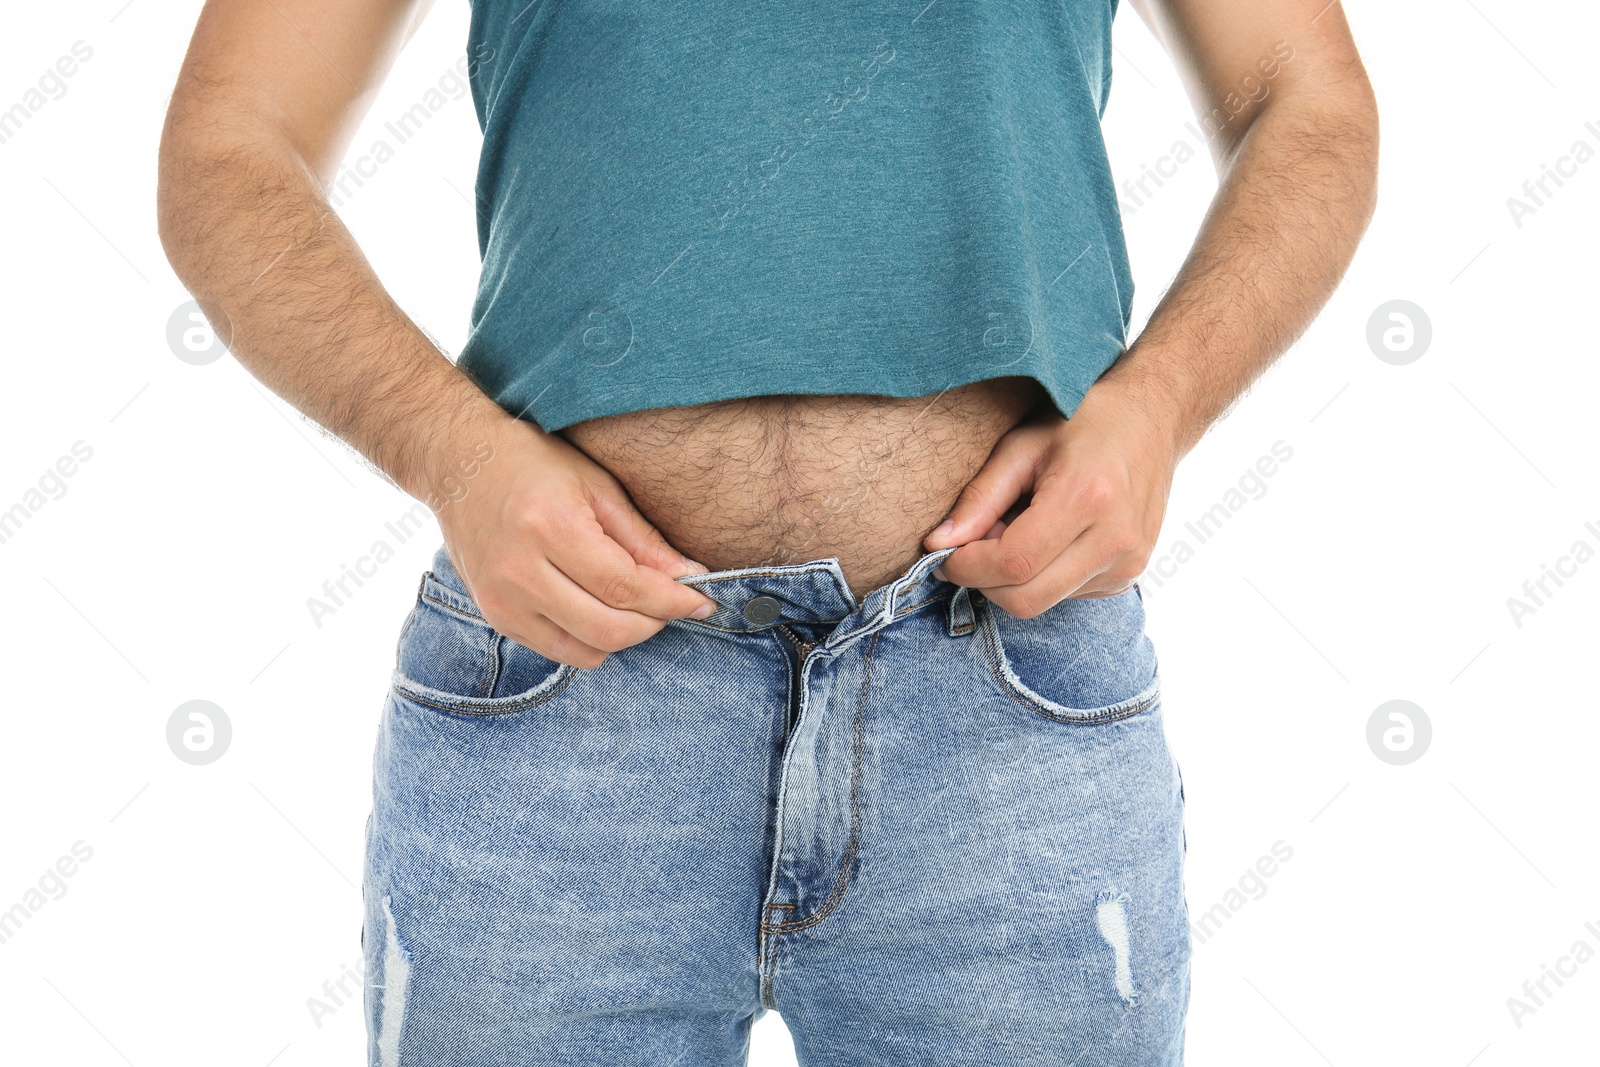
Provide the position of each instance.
(784, 650)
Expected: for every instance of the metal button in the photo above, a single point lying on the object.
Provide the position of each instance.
(761, 610)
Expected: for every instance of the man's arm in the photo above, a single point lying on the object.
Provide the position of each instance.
(1297, 159)
(270, 94)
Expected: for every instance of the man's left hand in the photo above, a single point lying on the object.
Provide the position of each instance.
(1099, 484)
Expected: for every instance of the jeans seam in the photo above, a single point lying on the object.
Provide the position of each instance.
(991, 644)
(874, 624)
(452, 607)
(918, 604)
(756, 574)
(491, 668)
(843, 881)
(486, 713)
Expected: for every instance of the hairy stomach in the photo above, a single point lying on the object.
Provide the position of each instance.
(791, 478)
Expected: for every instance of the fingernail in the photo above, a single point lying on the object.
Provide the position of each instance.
(944, 529)
(695, 568)
(704, 611)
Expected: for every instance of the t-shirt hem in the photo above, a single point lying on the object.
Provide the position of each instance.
(1066, 395)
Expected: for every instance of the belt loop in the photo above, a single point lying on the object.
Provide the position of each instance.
(958, 613)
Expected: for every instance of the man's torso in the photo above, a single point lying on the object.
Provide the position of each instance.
(790, 478)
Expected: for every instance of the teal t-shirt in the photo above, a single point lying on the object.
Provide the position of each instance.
(685, 202)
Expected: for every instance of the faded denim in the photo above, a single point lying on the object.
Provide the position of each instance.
(925, 831)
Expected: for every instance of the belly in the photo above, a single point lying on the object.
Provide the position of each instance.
(789, 478)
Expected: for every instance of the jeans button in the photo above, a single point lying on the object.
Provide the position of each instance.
(761, 610)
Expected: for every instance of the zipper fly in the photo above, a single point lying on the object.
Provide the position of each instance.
(804, 647)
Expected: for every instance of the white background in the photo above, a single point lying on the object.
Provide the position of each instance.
(1376, 566)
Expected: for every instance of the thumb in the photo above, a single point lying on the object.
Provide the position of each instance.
(1008, 474)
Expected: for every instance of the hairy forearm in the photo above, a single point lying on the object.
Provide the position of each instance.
(1295, 197)
(249, 231)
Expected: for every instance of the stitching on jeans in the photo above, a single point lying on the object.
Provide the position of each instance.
(991, 644)
(755, 574)
(451, 607)
(493, 662)
(488, 712)
(869, 623)
(959, 614)
(745, 574)
(918, 604)
(766, 955)
(843, 881)
(757, 629)
(411, 620)
(736, 629)
(493, 656)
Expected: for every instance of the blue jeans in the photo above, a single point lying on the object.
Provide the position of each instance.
(924, 830)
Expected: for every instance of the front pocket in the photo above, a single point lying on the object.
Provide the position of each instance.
(1084, 661)
(450, 659)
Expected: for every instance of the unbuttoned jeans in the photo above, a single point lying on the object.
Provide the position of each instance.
(925, 831)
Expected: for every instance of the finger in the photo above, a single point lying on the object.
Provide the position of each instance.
(628, 527)
(1020, 554)
(508, 608)
(994, 531)
(1079, 571)
(580, 613)
(584, 553)
(541, 635)
(1101, 589)
(1009, 472)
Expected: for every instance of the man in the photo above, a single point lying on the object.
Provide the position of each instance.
(783, 651)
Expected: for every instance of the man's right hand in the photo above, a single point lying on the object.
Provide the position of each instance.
(270, 95)
(554, 552)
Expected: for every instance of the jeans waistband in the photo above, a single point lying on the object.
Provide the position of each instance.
(751, 599)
